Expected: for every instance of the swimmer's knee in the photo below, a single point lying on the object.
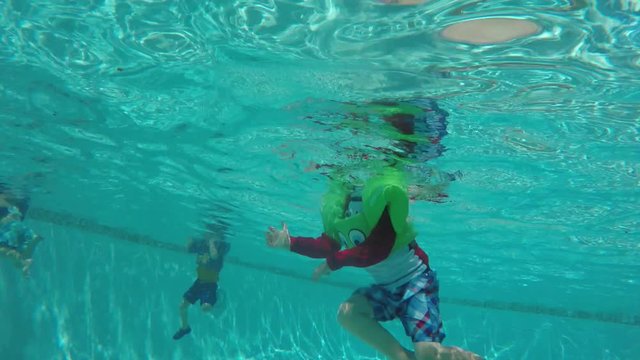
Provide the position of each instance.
(206, 307)
(357, 306)
(427, 350)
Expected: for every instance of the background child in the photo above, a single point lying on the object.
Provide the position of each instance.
(17, 241)
(210, 255)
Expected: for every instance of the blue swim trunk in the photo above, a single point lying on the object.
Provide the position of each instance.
(415, 303)
(206, 292)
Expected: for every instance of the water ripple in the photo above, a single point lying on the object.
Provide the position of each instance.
(596, 42)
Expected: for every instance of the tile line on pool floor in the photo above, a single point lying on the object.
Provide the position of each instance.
(72, 221)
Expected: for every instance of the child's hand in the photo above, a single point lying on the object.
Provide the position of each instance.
(213, 250)
(321, 270)
(278, 238)
(203, 258)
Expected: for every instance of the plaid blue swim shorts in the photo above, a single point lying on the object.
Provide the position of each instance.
(414, 303)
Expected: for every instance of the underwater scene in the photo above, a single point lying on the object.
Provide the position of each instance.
(319, 179)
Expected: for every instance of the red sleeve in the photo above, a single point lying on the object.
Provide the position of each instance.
(320, 247)
(375, 248)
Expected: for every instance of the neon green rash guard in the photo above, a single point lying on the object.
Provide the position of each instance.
(349, 228)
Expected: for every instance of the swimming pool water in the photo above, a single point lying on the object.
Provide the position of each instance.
(130, 122)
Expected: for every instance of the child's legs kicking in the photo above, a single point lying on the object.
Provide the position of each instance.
(189, 298)
(184, 320)
(184, 314)
(32, 240)
(356, 316)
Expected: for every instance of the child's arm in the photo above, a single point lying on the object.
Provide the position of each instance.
(223, 247)
(189, 245)
(213, 250)
(375, 248)
(320, 247)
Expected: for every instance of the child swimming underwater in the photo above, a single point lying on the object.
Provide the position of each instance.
(368, 227)
(210, 253)
(17, 241)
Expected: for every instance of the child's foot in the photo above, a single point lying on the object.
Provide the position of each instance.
(181, 332)
(31, 245)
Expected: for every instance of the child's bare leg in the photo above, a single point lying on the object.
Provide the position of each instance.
(356, 316)
(184, 314)
(432, 350)
(31, 245)
(184, 328)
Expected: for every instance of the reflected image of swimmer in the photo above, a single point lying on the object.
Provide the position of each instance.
(418, 126)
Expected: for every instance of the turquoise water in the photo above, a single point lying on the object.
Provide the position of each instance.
(128, 122)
